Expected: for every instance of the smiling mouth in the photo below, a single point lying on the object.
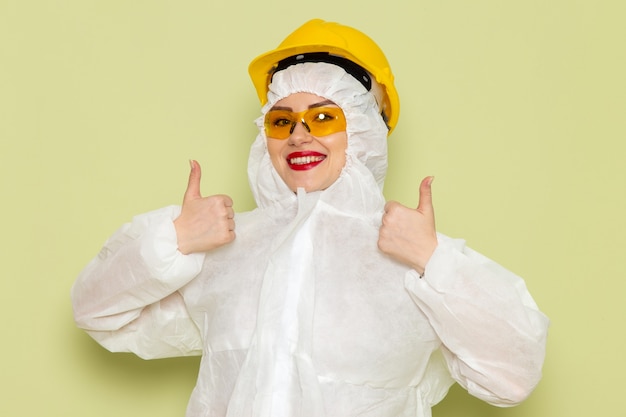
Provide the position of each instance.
(301, 161)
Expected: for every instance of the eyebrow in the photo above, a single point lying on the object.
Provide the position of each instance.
(311, 106)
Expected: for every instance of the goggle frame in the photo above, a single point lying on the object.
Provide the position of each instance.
(318, 121)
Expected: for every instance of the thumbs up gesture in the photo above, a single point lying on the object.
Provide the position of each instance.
(204, 223)
(408, 235)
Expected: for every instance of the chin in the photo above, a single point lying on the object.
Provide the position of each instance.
(309, 188)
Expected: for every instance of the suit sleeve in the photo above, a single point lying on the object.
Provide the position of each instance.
(127, 297)
(492, 332)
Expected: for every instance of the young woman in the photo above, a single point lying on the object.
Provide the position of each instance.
(328, 301)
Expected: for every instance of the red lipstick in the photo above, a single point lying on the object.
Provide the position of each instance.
(304, 160)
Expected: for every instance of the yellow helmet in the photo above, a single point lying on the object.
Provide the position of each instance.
(339, 42)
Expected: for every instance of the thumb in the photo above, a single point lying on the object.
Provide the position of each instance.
(193, 186)
(426, 198)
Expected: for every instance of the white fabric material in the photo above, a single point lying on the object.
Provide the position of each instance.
(302, 315)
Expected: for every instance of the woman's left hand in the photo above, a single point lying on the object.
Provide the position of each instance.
(408, 235)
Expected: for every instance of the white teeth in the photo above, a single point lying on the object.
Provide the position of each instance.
(303, 160)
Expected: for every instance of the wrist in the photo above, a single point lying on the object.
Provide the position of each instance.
(420, 266)
(181, 238)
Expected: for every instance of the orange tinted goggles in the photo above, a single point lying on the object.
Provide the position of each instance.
(318, 121)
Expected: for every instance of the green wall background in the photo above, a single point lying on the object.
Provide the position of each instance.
(517, 107)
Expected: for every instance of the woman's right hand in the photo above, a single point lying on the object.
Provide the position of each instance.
(204, 223)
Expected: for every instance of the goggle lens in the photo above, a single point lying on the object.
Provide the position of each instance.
(319, 121)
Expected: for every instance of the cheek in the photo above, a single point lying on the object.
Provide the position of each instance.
(274, 151)
(338, 147)
(341, 163)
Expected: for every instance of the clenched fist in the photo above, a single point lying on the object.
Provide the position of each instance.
(204, 223)
(408, 235)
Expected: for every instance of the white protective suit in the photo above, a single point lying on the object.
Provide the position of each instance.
(302, 315)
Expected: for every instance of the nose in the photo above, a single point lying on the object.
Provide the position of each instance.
(299, 134)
